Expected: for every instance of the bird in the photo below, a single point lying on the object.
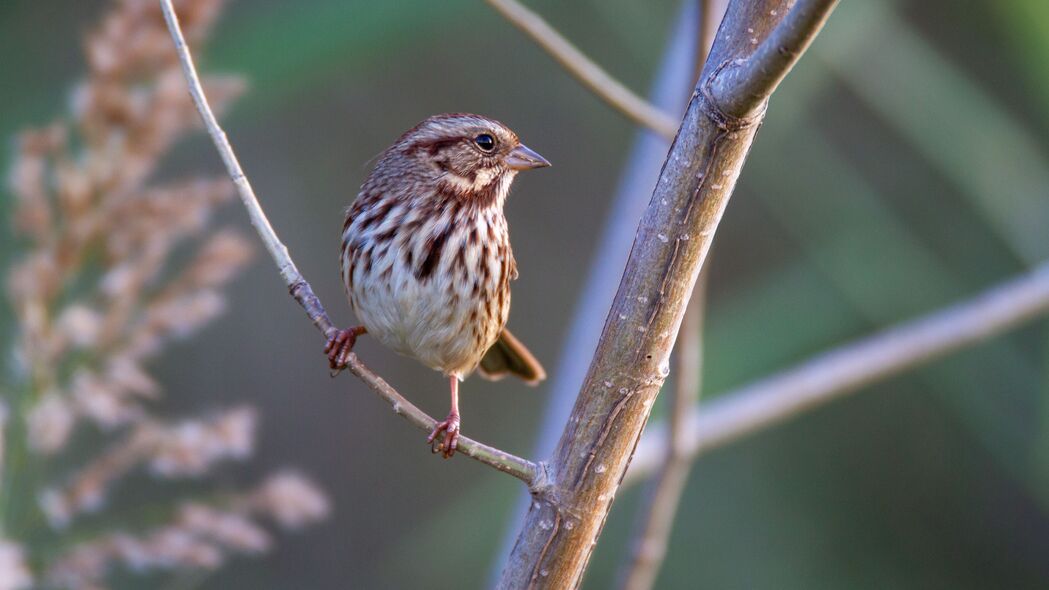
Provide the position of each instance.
(426, 258)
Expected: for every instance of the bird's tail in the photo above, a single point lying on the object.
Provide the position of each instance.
(509, 357)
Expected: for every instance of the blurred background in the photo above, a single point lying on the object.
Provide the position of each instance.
(902, 167)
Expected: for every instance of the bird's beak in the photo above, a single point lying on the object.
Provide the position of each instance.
(523, 157)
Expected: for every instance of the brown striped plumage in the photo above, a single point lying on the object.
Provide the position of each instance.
(426, 255)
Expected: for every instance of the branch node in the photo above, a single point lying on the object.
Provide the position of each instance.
(715, 113)
(543, 482)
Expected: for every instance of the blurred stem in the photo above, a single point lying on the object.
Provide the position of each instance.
(300, 289)
(895, 71)
(591, 75)
(842, 370)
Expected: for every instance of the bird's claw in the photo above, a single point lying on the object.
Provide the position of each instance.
(340, 347)
(450, 428)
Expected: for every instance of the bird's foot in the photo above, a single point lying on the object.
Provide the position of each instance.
(450, 427)
(340, 346)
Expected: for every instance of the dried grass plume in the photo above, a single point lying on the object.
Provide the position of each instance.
(112, 266)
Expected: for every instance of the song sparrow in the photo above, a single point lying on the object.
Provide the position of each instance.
(426, 256)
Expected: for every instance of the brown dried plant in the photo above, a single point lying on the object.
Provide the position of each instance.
(97, 291)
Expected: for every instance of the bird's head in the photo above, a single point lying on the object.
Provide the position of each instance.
(471, 156)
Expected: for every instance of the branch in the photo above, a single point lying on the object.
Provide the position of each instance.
(671, 89)
(632, 357)
(747, 81)
(842, 370)
(586, 71)
(656, 515)
(522, 469)
(297, 285)
(655, 521)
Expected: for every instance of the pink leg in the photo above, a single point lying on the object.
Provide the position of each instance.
(340, 346)
(450, 426)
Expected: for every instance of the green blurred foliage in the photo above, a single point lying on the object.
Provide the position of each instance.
(901, 167)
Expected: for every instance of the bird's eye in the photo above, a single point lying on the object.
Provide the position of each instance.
(485, 142)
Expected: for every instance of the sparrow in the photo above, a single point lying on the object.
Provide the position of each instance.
(426, 257)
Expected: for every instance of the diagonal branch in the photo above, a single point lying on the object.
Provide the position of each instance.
(522, 469)
(671, 88)
(662, 495)
(632, 357)
(833, 374)
(584, 69)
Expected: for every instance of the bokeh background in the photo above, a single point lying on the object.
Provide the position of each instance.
(902, 166)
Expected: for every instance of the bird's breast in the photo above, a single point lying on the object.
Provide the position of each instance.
(430, 282)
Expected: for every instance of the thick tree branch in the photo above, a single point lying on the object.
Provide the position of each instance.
(656, 515)
(826, 377)
(632, 357)
(673, 84)
(584, 69)
(522, 469)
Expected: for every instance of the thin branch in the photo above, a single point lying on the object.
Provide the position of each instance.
(584, 69)
(522, 469)
(298, 286)
(833, 374)
(748, 81)
(300, 289)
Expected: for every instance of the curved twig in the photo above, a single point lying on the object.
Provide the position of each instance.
(300, 289)
(584, 69)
